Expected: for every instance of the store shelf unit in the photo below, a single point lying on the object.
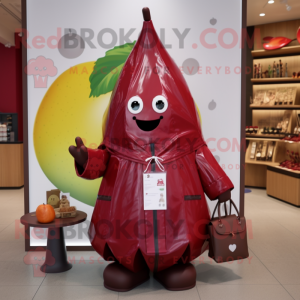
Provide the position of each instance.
(283, 184)
(269, 119)
(11, 121)
(11, 165)
(290, 50)
(270, 110)
(265, 136)
(289, 107)
(278, 154)
(256, 170)
(275, 80)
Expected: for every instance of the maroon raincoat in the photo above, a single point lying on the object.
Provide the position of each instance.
(120, 227)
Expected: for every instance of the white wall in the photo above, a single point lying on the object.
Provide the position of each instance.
(223, 122)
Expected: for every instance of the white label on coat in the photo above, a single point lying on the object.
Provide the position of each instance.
(232, 247)
(155, 191)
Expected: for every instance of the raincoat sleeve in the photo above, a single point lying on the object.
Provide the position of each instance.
(96, 164)
(213, 178)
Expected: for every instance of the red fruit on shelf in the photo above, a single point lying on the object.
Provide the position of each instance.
(267, 38)
(277, 43)
(298, 35)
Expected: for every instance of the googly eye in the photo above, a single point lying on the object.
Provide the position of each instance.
(135, 105)
(45, 68)
(159, 104)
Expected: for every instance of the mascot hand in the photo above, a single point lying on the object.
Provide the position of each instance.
(80, 152)
(224, 196)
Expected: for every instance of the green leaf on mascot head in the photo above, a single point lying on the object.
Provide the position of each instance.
(108, 68)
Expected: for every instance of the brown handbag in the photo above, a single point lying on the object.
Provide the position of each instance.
(228, 236)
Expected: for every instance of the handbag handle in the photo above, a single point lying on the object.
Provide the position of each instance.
(225, 208)
(219, 214)
(238, 213)
(233, 204)
(213, 214)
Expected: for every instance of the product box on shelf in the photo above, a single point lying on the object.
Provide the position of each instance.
(285, 96)
(261, 151)
(273, 123)
(8, 127)
(275, 96)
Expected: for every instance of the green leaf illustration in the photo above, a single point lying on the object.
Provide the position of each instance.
(108, 68)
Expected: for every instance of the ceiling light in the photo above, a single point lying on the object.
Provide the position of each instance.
(288, 7)
(262, 14)
(271, 1)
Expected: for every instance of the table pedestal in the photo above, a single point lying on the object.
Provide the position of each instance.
(56, 254)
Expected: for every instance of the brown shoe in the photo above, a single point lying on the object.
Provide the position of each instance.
(178, 277)
(120, 279)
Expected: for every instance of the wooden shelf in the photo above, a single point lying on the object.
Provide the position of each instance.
(12, 165)
(285, 107)
(292, 50)
(281, 183)
(284, 184)
(290, 142)
(275, 80)
(262, 162)
(256, 175)
(255, 139)
(286, 170)
(266, 136)
(256, 170)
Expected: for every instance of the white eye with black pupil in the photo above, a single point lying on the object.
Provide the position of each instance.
(135, 105)
(159, 104)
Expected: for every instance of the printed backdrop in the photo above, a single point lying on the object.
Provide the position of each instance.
(66, 38)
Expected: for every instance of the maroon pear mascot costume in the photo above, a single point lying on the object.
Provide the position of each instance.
(152, 126)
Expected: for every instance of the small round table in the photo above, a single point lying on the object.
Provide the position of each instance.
(56, 255)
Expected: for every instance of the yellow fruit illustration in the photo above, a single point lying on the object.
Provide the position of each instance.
(66, 112)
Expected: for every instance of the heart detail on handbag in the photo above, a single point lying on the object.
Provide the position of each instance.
(232, 247)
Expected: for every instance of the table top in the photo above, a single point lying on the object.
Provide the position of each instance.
(31, 220)
(10, 143)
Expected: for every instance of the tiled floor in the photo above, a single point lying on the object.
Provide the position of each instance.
(271, 272)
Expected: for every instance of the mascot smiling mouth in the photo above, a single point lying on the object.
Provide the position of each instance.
(147, 125)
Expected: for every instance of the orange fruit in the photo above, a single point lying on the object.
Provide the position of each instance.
(45, 213)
